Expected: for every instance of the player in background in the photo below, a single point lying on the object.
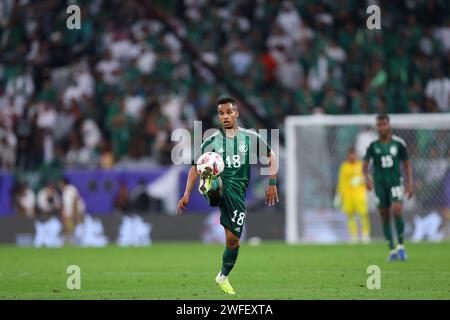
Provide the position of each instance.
(73, 208)
(48, 201)
(387, 153)
(236, 146)
(351, 196)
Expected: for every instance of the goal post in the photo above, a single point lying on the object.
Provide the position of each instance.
(316, 146)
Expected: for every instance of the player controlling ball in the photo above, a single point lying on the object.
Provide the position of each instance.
(237, 146)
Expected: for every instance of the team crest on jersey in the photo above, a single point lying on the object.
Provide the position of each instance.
(377, 150)
(393, 150)
(243, 148)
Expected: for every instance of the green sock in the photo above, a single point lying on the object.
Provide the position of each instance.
(400, 227)
(215, 184)
(388, 234)
(228, 260)
(212, 194)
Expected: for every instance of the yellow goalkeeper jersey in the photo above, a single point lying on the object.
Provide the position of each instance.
(351, 184)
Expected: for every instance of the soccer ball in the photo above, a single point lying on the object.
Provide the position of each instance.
(210, 160)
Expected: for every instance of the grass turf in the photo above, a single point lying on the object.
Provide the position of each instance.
(187, 270)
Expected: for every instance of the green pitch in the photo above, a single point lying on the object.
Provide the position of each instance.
(187, 271)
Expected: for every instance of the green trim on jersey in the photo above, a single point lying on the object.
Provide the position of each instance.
(238, 153)
(386, 160)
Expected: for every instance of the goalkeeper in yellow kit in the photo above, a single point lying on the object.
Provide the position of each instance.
(351, 196)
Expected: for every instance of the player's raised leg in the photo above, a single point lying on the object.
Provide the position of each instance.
(205, 181)
(209, 186)
(214, 191)
(400, 228)
(228, 261)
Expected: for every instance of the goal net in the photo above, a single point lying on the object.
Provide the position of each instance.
(317, 145)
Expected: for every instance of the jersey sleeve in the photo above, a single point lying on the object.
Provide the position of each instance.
(369, 153)
(201, 150)
(402, 153)
(263, 147)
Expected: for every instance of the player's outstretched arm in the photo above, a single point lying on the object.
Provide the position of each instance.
(271, 195)
(192, 177)
(409, 177)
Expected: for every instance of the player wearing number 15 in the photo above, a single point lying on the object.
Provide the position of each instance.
(387, 153)
(238, 147)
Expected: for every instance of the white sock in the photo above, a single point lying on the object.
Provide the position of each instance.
(221, 278)
(400, 246)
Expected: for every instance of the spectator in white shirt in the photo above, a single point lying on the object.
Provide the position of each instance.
(289, 73)
(443, 35)
(241, 60)
(438, 89)
(8, 144)
(21, 85)
(91, 134)
(45, 121)
(25, 201)
(335, 52)
(79, 155)
(73, 206)
(146, 61)
(108, 69)
(289, 19)
(48, 201)
(133, 104)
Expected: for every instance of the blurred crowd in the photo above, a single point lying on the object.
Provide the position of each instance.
(56, 199)
(111, 92)
(59, 215)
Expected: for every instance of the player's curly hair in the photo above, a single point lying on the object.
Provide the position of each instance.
(226, 99)
(383, 116)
